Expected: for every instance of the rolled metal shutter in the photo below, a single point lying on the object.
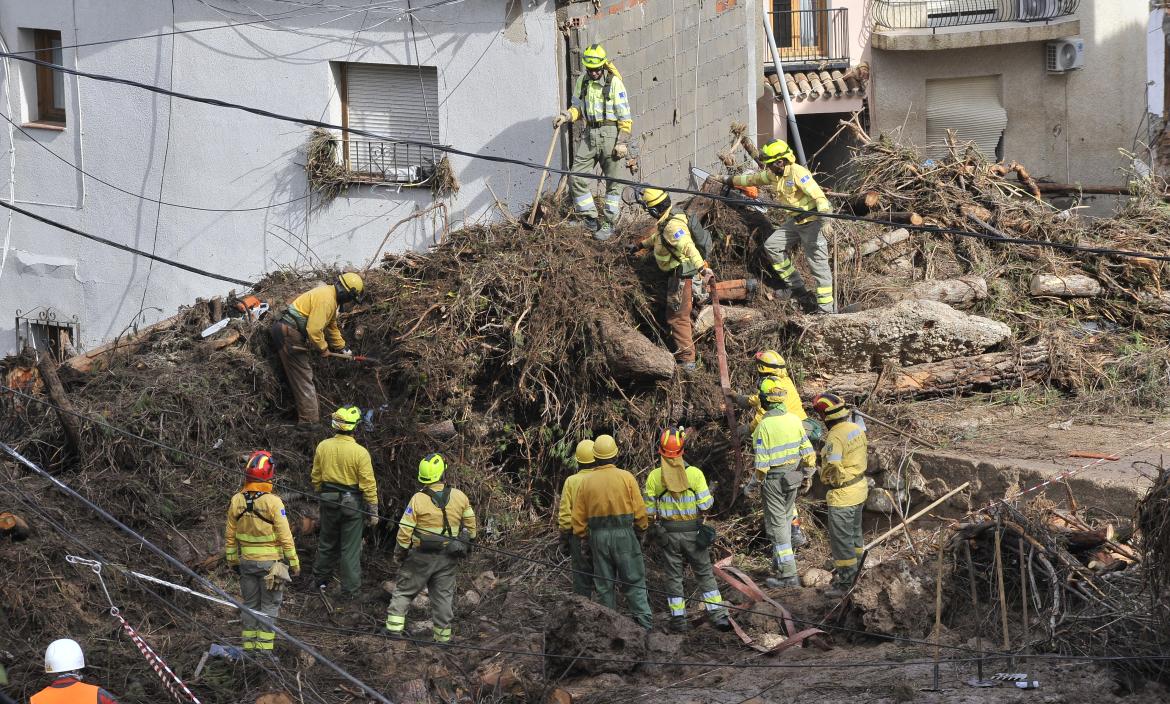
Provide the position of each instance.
(969, 106)
(401, 102)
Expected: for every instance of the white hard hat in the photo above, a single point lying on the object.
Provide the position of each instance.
(64, 655)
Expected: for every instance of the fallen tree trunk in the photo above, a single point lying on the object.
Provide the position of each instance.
(886, 239)
(982, 372)
(64, 409)
(966, 289)
(1071, 286)
(631, 354)
(99, 356)
(735, 318)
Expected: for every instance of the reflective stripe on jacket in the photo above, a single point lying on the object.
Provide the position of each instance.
(422, 513)
(674, 247)
(261, 534)
(568, 497)
(341, 460)
(672, 506)
(319, 308)
(796, 187)
(780, 442)
(844, 457)
(595, 107)
(608, 492)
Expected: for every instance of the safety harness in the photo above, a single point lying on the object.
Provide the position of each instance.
(250, 507)
(445, 541)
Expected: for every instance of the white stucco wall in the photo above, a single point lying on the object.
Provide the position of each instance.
(1061, 127)
(498, 92)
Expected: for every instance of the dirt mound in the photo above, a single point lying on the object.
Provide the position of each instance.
(896, 598)
(583, 628)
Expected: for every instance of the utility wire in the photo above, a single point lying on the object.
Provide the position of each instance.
(174, 562)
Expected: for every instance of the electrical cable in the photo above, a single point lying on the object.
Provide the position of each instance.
(1060, 246)
(126, 248)
(492, 549)
(208, 584)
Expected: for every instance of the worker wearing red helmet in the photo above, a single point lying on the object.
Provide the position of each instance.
(676, 497)
(257, 539)
(844, 457)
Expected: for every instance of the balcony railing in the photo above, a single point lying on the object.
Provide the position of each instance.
(810, 38)
(372, 161)
(931, 14)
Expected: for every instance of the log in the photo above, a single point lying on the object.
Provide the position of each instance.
(735, 318)
(1071, 286)
(699, 207)
(871, 199)
(631, 354)
(900, 217)
(876, 244)
(98, 357)
(963, 290)
(64, 409)
(982, 372)
(441, 430)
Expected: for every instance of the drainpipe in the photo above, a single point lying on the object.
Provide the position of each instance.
(793, 131)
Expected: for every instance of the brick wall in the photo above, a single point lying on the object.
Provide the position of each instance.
(688, 67)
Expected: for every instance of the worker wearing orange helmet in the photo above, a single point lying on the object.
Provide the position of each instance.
(844, 458)
(257, 539)
(676, 497)
(309, 326)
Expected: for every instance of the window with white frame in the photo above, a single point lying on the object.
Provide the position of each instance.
(395, 101)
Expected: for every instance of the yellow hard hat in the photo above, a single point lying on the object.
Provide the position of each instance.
(431, 468)
(353, 285)
(775, 150)
(584, 453)
(772, 393)
(651, 197)
(594, 56)
(605, 448)
(830, 406)
(346, 418)
(770, 363)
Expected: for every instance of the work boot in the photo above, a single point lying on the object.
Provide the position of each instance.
(603, 233)
(782, 582)
(836, 591)
(591, 224)
(799, 539)
(679, 624)
(721, 622)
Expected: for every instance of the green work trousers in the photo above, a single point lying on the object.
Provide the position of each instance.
(845, 542)
(816, 252)
(435, 572)
(582, 564)
(340, 538)
(781, 486)
(258, 597)
(678, 551)
(596, 148)
(617, 557)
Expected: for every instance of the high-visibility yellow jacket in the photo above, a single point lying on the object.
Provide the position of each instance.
(673, 245)
(602, 102)
(342, 461)
(318, 307)
(843, 461)
(422, 513)
(796, 188)
(568, 497)
(608, 492)
(677, 506)
(781, 444)
(261, 534)
(791, 402)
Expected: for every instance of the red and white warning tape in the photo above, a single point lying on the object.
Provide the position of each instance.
(170, 680)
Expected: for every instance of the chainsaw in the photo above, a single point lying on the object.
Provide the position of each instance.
(350, 357)
(746, 192)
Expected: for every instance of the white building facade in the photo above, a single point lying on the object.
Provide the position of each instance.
(479, 75)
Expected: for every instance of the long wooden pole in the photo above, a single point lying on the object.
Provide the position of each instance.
(552, 145)
(725, 386)
(881, 538)
(1007, 639)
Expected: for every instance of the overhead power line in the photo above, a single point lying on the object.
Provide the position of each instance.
(1104, 251)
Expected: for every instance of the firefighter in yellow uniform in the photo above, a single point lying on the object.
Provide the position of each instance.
(676, 496)
(599, 98)
(257, 538)
(784, 463)
(607, 512)
(843, 463)
(435, 532)
(579, 559)
(309, 326)
(794, 186)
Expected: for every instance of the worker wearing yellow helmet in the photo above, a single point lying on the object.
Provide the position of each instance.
(676, 254)
(600, 99)
(309, 326)
(784, 463)
(343, 477)
(435, 532)
(579, 558)
(793, 186)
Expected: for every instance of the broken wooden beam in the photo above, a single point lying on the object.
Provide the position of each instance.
(68, 418)
(876, 244)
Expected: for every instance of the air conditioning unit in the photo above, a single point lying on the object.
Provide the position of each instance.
(1031, 10)
(1064, 55)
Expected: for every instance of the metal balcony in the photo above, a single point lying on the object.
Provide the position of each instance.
(816, 38)
(933, 14)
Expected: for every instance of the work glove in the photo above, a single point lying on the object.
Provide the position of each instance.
(806, 485)
(371, 515)
(698, 290)
(749, 191)
(277, 577)
(752, 488)
(562, 117)
(295, 571)
(823, 206)
(399, 554)
(621, 150)
(633, 248)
